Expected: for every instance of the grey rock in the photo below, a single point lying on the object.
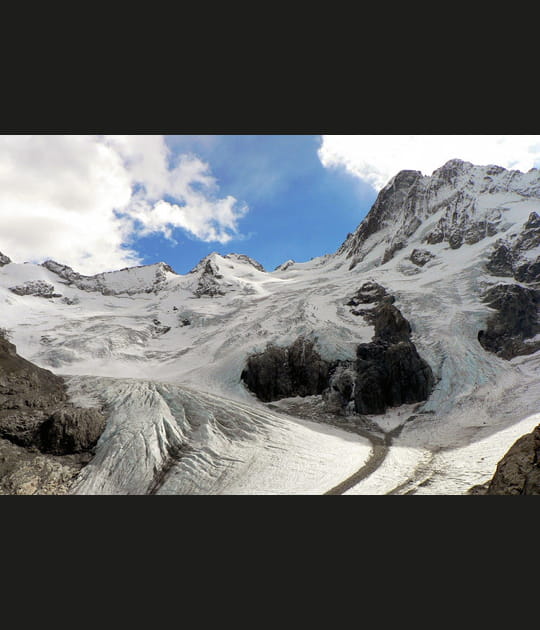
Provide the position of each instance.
(98, 282)
(507, 258)
(159, 328)
(246, 259)
(28, 472)
(436, 235)
(208, 284)
(392, 200)
(390, 374)
(368, 293)
(518, 472)
(340, 392)
(390, 251)
(72, 430)
(528, 272)
(4, 260)
(286, 264)
(501, 261)
(28, 396)
(421, 256)
(70, 301)
(515, 321)
(478, 231)
(279, 372)
(37, 288)
(390, 371)
(456, 239)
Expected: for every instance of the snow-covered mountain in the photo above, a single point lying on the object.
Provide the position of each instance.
(406, 362)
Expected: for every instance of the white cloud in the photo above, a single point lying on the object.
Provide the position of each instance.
(84, 199)
(376, 159)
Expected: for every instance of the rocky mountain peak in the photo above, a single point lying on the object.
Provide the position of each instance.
(450, 170)
(242, 258)
(459, 204)
(4, 260)
(129, 280)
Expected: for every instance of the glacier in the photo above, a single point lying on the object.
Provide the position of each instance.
(163, 353)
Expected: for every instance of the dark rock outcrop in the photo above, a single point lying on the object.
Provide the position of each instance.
(387, 372)
(28, 396)
(71, 430)
(208, 282)
(397, 197)
(518, 472)
(501, 261)
(286, 265)
(37, 288)
(458, 228)
(420, 257)
(44, 440)
(369, 293)
(101, 282)
(245, 259)
(528, 272)
(515, 321)
(4, 260)
(507, 258)
(158, 328)
(390, 374)
(284, 372)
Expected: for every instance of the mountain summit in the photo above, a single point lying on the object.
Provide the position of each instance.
(406, 362)
(458, 205)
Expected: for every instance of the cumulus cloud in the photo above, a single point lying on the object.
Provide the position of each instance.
(85, 199)
(376, 159)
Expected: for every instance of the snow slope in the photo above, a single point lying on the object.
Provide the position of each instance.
(164, 352)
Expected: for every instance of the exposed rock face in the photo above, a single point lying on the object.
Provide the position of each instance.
(37, 288)
(28, 396)
(501, 261)
(35, 415)
(421, 256)
(70, 301)
(4, 260)
(369, 293)
(246, 259)
(284, 372)
(208, 282)
(72, 430)
(397, 197)
(464, 201)
(285, 265)
(387, 372)
(390, 371)
(140, 279)
(519, 470)
(515, 321)
(159, 328)
(24, 471)
(509, 258)
(390, 374)
(460, 228)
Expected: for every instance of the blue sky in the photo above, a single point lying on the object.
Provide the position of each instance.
(297, 208)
